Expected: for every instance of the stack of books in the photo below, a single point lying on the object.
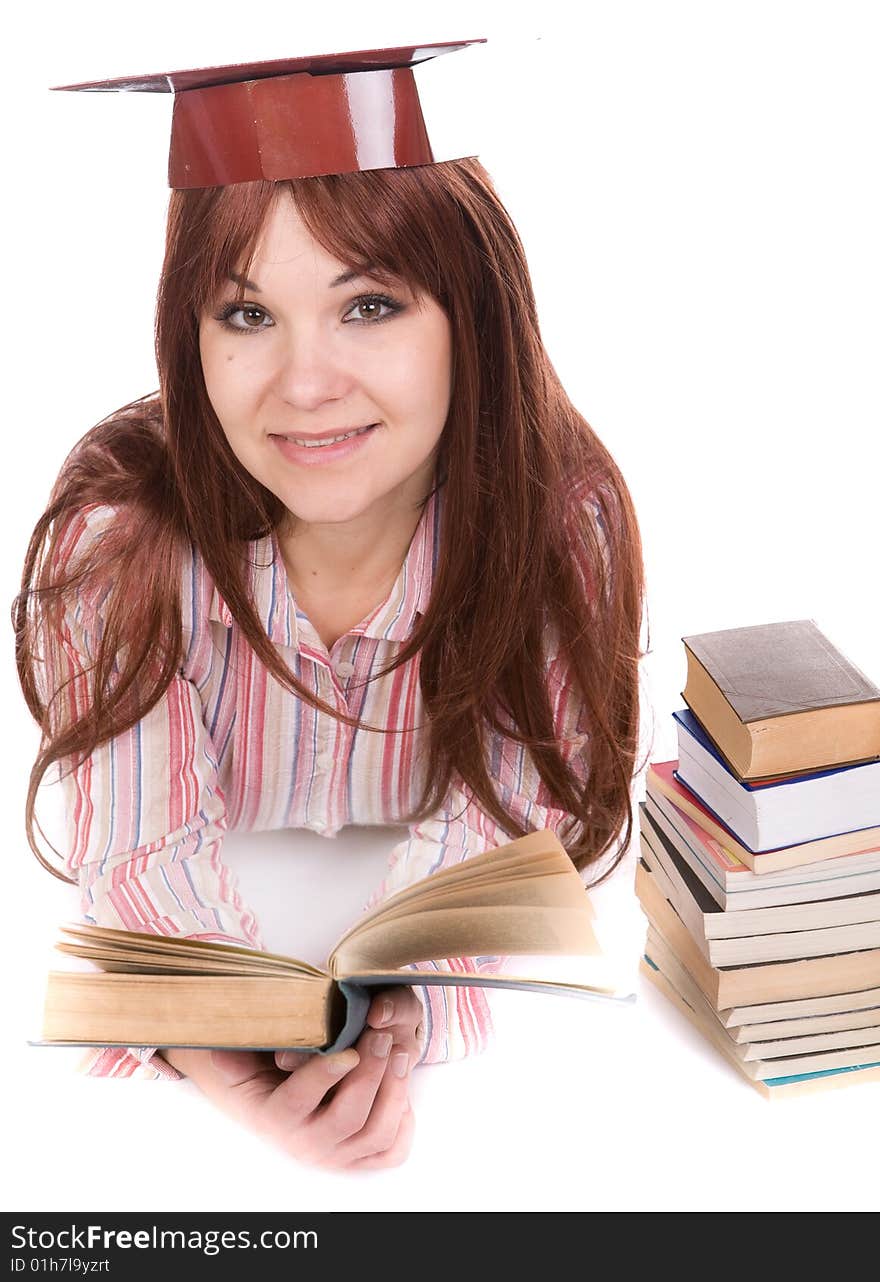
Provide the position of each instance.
(760, 858)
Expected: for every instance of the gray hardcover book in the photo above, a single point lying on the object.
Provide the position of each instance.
(776, 668)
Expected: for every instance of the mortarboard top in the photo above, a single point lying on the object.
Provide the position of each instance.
(292, 117)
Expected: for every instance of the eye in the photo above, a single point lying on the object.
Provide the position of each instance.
(254, 317)
(369, 306)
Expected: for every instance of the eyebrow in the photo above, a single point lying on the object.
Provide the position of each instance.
(344, 278)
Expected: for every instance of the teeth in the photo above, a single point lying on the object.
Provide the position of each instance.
(314, 445)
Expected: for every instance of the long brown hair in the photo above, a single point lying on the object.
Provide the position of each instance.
(521, 558)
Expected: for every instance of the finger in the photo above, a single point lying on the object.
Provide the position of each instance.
(346, 1114)
(299, 1094)
(396, 1154)
(406, 1039)
(394, 1006)
(379, 1131)
(290, 1060)
(400, 1012)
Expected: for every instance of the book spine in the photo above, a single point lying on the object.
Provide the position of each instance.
(356, 1000)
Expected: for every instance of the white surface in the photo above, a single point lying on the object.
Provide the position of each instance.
(697, 191)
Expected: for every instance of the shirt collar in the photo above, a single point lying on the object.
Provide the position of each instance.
(394, 620)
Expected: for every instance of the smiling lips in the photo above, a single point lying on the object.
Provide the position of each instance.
(327, 438)
(319, 449)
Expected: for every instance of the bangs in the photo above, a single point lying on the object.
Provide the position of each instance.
(388, 224)
(229, 221)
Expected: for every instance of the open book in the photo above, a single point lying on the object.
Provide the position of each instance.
(525, 897)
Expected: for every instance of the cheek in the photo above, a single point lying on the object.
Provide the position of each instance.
(424, 373)
(440, 373)
(224, 378)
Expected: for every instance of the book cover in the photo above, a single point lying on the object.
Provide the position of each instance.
(775, 669)
(781, 699)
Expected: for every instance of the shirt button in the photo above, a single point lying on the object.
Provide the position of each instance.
(345, 669)
(324, 760)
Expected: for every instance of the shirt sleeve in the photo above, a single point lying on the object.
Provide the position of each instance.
(145, 819)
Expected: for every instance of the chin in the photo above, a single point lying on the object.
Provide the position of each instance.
(330, 510)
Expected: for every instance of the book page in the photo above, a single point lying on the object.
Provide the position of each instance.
(530, 856)
(547, 921)
(532, 870)
(125, 950)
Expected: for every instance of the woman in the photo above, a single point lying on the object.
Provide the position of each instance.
(433, 621)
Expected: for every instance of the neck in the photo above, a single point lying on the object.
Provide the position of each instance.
(352, 557)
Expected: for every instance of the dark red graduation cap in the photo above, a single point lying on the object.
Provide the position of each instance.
(293, 117)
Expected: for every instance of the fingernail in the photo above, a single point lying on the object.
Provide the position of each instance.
(387, 1012)
(382, 1045)
(400, 1064)
(287, 1059)
(344, 1062)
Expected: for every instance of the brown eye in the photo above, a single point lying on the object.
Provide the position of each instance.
(255, 318)
(373, 308)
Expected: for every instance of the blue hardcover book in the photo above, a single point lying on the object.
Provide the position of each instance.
(771, 814)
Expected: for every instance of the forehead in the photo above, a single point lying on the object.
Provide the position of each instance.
(284, 242)
(286, 253)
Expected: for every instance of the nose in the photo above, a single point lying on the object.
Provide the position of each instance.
(311, 371)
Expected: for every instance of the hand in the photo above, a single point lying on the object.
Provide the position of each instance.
(346, 1111)
(367, 1117)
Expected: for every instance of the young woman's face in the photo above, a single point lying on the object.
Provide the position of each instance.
(315, 350)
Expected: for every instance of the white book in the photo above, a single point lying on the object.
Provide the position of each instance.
(795, 810)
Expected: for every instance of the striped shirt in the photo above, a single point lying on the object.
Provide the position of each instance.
(228, 748)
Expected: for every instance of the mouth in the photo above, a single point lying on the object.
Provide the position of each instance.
(325, 440)
(324, 451)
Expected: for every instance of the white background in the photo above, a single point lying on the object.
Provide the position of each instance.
(696, 187)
